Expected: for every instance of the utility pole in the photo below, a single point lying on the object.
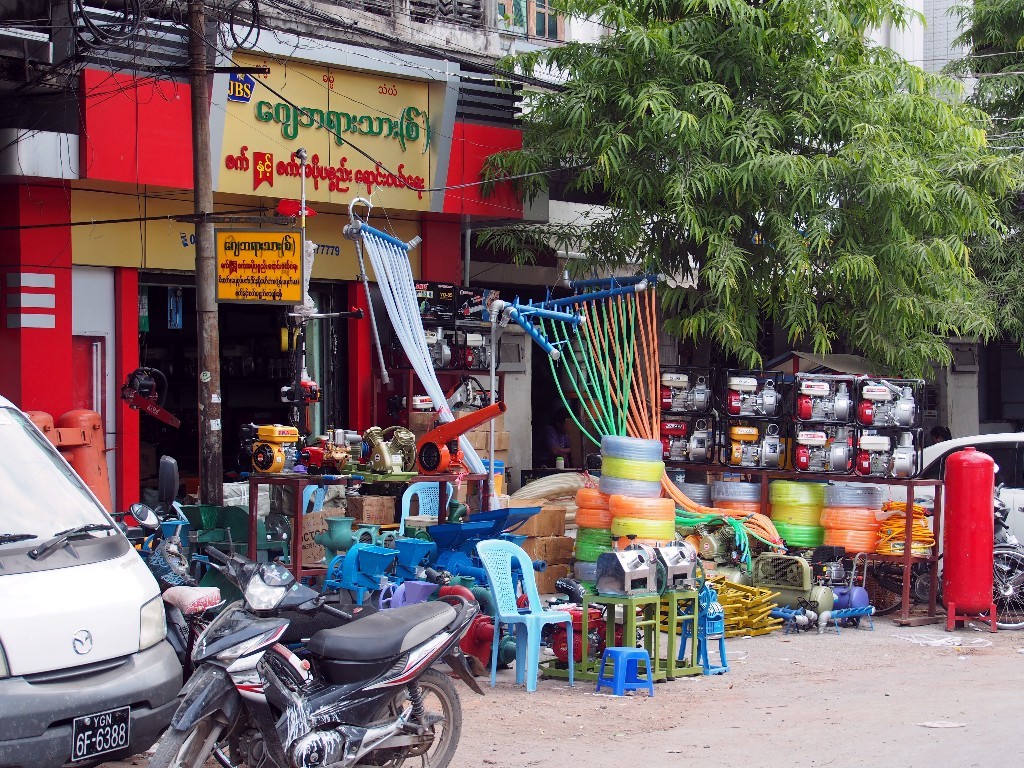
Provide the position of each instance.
(211, 444)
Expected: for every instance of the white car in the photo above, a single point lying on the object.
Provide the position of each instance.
(1005, 448)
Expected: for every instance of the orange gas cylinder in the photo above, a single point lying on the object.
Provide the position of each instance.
(80, 440)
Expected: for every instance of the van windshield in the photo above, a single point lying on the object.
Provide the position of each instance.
(39, 493)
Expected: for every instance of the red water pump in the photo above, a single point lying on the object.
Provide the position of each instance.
(823, 400)
(818, 450)
(681, 443)
(883, 404)
(878, 457)
(595, 637)
(746, 396)
(679, 396)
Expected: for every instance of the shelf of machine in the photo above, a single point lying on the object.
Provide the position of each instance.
(791, 474)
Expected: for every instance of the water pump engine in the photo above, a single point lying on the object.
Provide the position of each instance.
(748, 448)
(876, 456)
(440, 351)
(743, 398)
(821, 401)
(677, 395)
(476, 352)
(883, 404)
(817, 451)
(682, 444)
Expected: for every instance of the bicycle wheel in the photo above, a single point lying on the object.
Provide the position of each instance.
(1008, 589)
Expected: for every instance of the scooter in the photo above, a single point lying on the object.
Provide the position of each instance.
(349, 694)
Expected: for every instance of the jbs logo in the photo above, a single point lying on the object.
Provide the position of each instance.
(240, 88)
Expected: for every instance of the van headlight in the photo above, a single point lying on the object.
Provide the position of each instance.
(152, 623)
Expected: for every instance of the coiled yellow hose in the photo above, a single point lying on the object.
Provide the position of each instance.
(893, 532)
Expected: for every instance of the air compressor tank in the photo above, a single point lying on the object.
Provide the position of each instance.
(968, 535)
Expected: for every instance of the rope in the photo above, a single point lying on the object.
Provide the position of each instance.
(893, 533)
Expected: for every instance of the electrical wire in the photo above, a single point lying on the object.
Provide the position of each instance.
(893, 532)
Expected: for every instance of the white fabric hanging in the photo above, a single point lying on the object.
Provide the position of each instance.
(397, 287)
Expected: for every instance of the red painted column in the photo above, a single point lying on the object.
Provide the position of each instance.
(35, 304)
(360, 363)
(441, 252)
(126, 360)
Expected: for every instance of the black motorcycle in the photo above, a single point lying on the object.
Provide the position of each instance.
(361, 693)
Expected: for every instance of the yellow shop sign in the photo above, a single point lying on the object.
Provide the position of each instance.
(259, 267)
(363, 134)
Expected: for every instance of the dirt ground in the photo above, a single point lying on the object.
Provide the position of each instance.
(857, 699)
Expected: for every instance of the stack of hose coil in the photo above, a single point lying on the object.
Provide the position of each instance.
(739, 497)
(631, 467)
(892, 534)
(698, 492)
(593, 520)
(796, 512)
(850, 516)
(642, 520)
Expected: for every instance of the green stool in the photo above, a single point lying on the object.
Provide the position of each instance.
(679, 610)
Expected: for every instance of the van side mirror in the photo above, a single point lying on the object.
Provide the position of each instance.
(145, 517)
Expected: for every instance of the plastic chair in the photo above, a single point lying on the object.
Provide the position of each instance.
(429, 500)
(625, 674)
(505, 563)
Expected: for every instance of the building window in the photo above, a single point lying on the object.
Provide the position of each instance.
(513, 15)
(546, 22)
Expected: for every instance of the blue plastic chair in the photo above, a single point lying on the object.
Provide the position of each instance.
(429, 500)
(505, 564)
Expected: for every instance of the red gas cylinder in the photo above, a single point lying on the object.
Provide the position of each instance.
(968, 534)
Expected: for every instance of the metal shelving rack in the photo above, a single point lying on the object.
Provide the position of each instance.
(907, 559)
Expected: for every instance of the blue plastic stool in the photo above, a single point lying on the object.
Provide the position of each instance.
(625, 675)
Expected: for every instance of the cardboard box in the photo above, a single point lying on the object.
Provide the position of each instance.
(499, 421)
(313, 523)
(550, 521)
(421, 422)
(437, 301)
(474, 303)
(546, 580)
(375, 510)
(501, 442)
(554, 550)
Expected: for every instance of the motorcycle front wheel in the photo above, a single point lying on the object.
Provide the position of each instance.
(442, 712)
(1008, 588)
(186, 749)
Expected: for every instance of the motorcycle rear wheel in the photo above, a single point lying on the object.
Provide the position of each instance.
(186, 749)
(443, 711)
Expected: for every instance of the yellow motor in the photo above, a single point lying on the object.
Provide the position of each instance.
(270, 451)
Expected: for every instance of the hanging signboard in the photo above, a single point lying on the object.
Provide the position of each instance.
(259, 267)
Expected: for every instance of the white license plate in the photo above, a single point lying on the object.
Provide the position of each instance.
(98, 734)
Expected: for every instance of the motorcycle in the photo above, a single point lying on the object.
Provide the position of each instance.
(352, 694)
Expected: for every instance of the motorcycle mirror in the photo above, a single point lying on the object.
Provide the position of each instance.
(145, 517)
(167, 484)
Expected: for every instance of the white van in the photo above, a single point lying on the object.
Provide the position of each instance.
(86, 673)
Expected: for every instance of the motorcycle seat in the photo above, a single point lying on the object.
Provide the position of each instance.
(192, 600)
(386, 633)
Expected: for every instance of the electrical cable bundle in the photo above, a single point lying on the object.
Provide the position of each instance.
(892, 534)
(631, 467)
(800, 536)
(592, 509)
(796, 512)
(851, 516)
(590, 543)
(653, 530)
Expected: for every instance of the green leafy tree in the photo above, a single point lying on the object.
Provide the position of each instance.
(767, 153)
(994, 37)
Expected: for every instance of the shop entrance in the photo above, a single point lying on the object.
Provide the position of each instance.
(255, 365)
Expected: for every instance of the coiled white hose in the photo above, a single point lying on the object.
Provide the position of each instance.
(552, 486)
(394, 278)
